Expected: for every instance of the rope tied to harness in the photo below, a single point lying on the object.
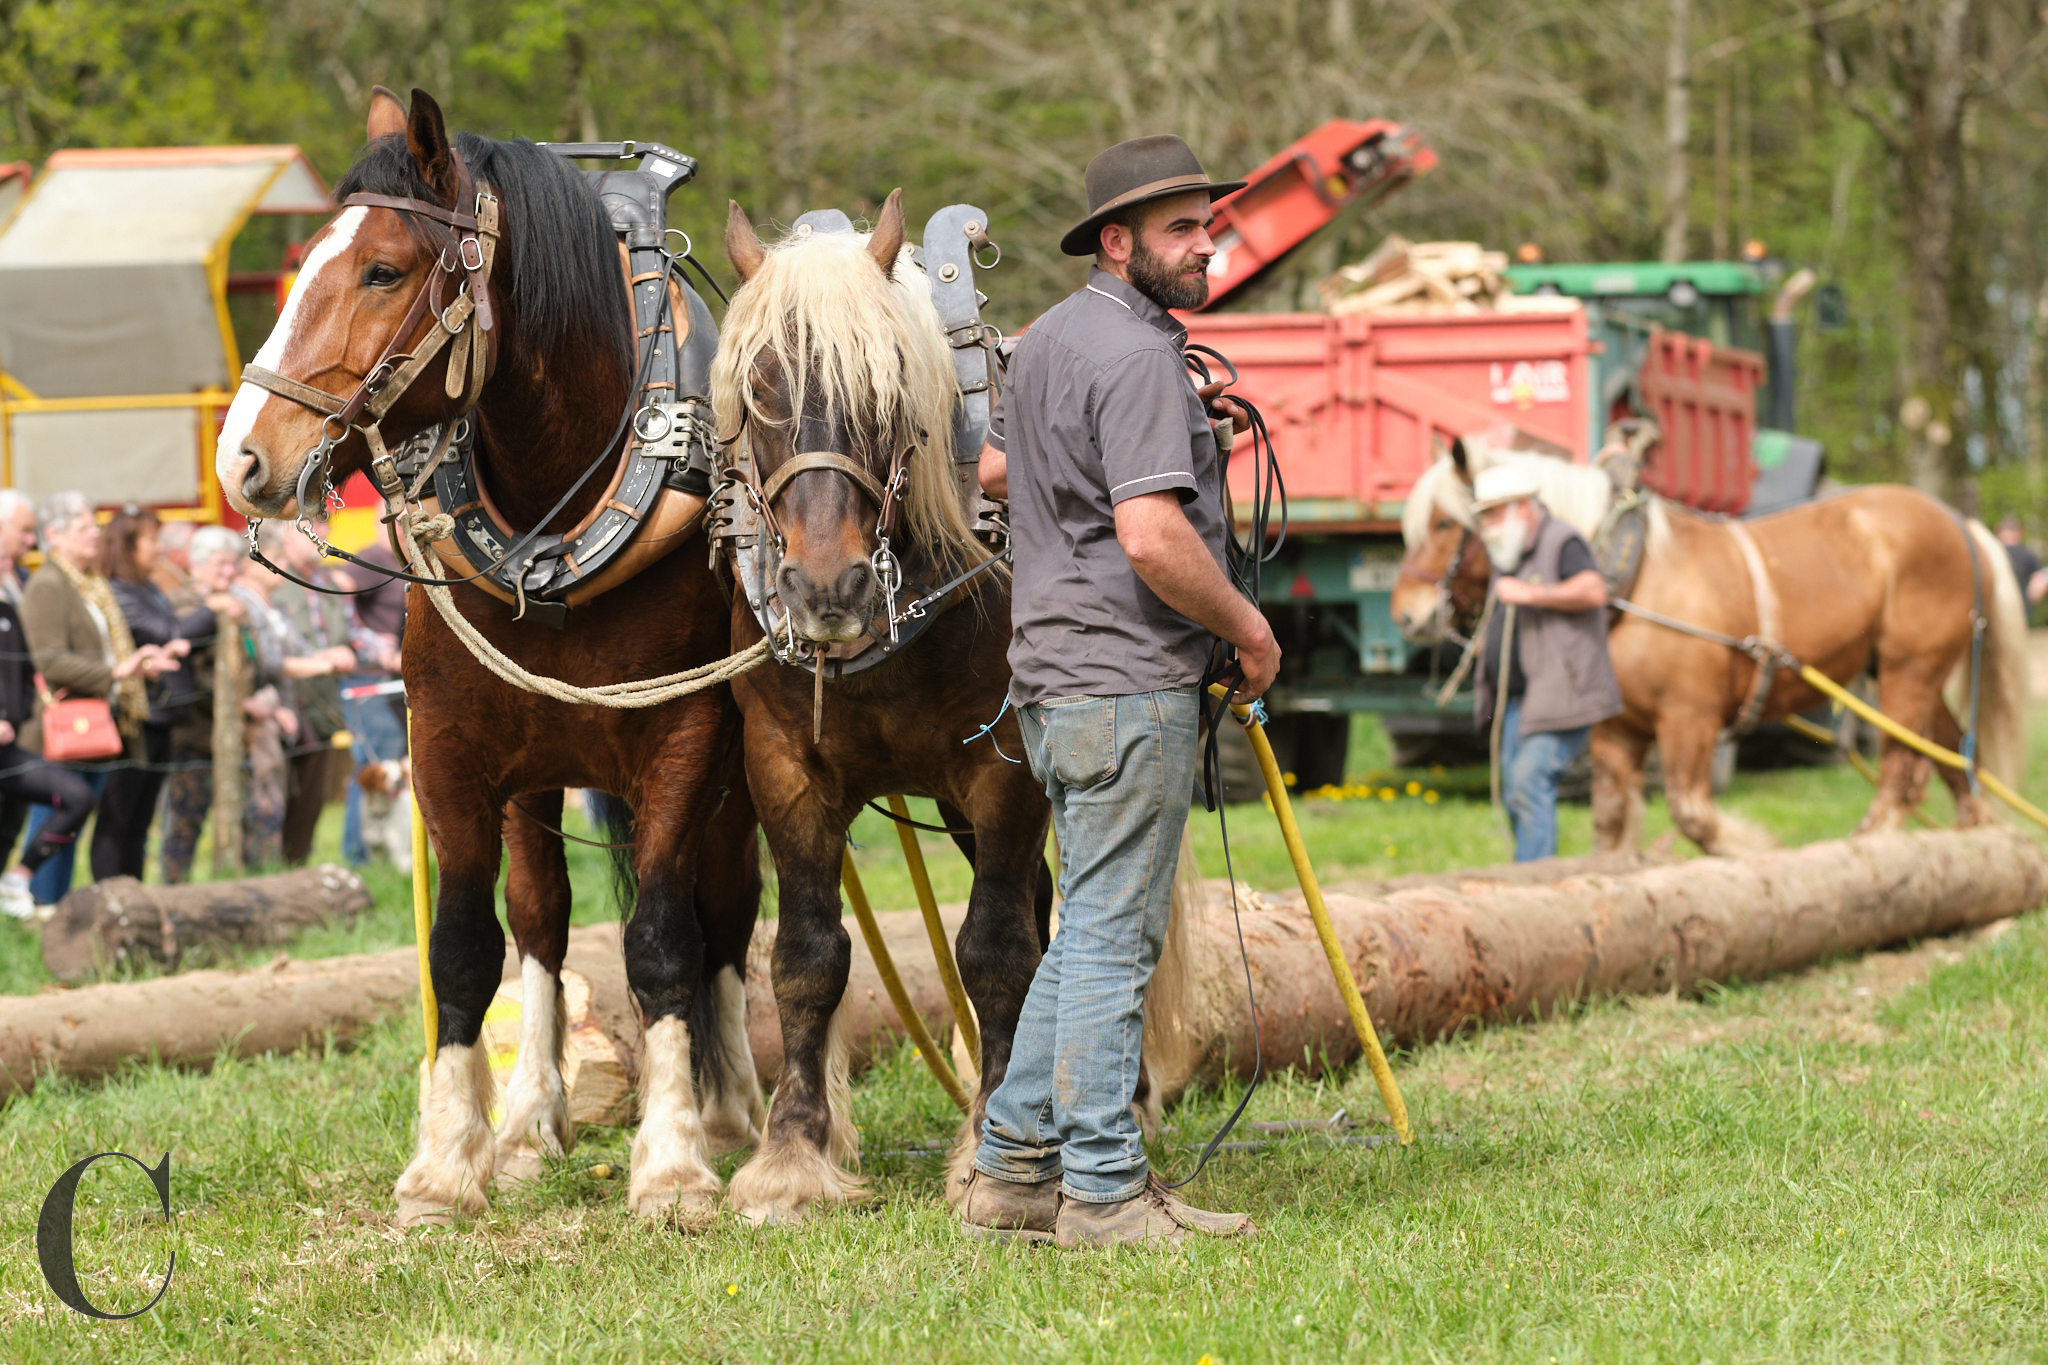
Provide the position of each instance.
(623, 696)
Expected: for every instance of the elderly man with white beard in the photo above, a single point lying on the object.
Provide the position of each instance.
(1550, 621)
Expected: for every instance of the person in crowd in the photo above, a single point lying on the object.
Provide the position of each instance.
(173, 567)
(1559, 682)
(376, 723)
(2026, 565)
(216, 557)
(320, 623)
(82, 648)
(17, 538)
(25, 777)
(1110, 464)
(129, 554)
(277, 729)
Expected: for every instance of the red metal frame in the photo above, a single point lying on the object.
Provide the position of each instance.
(1703, 397)
(1298, 192)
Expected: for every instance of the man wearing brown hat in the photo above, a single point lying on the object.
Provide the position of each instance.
(1105, 450)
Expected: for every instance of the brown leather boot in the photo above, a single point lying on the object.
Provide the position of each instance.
(1155, 1215)
(1004, 1211)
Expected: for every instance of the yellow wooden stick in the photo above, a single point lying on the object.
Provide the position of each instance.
(1821, 735)
(935, 929)
(1312, 892)
(1821, 682)
(913, 1023)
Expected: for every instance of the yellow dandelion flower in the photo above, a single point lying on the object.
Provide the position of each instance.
(1414, 789)
(731, 1289)
(1429, 798)
(1386, 793)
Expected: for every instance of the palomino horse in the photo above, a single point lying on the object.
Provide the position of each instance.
(836, 387)
(489, 757)
(1874, 579)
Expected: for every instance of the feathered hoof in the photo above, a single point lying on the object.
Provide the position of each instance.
(671, 1182)
(960, 1160)
(517, 1164)
(788, 1182)
(429, 1197)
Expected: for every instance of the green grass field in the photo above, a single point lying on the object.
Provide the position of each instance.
(1842, 1165)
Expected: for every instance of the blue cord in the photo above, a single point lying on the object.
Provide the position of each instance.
(984, 730)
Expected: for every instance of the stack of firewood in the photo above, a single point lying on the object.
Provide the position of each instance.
(1404, 277)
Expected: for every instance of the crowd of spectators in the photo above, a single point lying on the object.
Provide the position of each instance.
(130, 612)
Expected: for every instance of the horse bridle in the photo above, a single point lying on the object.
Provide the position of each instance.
(886, 496)
(468, 247)
(1447, 583)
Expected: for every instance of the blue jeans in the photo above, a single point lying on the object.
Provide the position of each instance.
(49, 883)
(1120, 771)
(1530, 766)
(376, 725)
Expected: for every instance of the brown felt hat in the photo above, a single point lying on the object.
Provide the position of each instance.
(1137, 172)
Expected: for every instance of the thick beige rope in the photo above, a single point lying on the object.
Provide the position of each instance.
(619, 696)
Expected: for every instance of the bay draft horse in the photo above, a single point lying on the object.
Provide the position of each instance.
(560, 371)
(1875, 579)
(832, 368)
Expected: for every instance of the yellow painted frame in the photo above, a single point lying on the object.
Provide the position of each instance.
(16, 397)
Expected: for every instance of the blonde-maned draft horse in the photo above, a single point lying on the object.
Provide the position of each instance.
(835, 386)
(1875, 580)
(835, 395)
(490, 760)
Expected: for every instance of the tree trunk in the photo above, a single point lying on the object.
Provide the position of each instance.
(120, 921)
(229, 749)
(1430, 959)
(1677, 123)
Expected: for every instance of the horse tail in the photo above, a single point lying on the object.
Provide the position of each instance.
(615, 814)
(1171, 998)
(2002, 690)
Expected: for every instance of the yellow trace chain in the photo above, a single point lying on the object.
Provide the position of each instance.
(1312, 892)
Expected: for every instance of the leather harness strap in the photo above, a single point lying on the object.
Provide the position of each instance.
(831, 460)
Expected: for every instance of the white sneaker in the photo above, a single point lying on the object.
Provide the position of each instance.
(15, 898)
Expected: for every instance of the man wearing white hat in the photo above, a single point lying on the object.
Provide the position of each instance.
(1549, 620)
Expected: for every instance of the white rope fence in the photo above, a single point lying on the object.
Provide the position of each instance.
(623, 696)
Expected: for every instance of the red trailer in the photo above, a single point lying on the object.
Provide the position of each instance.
(1359, 405)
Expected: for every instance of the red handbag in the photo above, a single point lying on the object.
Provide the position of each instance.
(78, 729)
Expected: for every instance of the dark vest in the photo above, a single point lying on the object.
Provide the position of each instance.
(1563, 653)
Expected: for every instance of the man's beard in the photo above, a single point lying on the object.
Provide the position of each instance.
(1164, 284)
(1506, 544)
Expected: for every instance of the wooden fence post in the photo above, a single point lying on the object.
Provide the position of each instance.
(229, 749)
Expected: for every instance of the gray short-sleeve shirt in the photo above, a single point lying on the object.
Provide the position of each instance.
(1099, 408)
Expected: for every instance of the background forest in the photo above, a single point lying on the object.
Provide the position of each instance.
(1896, 146)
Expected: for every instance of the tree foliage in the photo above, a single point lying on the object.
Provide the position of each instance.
(1815, 127)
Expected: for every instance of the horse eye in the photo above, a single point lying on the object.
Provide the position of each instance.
(380, 276)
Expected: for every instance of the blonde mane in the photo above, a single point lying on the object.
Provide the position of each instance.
(875, 349)
(1579, 494)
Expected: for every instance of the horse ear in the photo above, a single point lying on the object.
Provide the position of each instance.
(426, 134)
(1459, 461)
(742, 245)
(887, 241)
(387, 115)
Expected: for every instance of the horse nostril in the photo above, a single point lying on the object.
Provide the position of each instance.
(257, 476)
(856, 585)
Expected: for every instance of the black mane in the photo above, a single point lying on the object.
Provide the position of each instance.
(563, 257)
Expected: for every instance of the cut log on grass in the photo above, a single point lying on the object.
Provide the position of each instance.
(100, 929)
(1430, 959)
